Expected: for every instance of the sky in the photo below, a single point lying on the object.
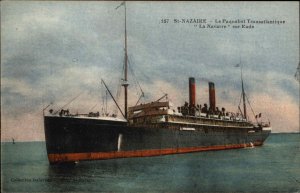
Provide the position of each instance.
(52, 52)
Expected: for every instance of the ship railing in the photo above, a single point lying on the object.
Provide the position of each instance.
(206, 120)
(265, 124)
(218, 117)
(155, 104)
(67, 113)
(203, 114)
(225, 118)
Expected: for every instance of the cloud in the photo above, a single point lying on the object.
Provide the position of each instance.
(25, 127)
(282, 112)
(18, 86)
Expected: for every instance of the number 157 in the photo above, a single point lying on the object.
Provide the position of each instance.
(164, 21)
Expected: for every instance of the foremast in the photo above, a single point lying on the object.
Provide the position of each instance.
(125, 83)
(125, 79)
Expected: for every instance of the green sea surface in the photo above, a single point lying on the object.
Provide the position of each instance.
(274, 167)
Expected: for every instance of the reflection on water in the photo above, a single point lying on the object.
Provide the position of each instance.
(272, 167)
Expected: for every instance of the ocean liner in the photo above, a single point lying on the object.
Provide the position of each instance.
(150, 129)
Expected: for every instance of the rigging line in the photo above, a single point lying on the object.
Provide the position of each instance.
(148, 79)
(102, 107)
(240, 99)
(106, 102)
(243, 90)
(136, 83)
(142, 73)
(103, 98)
(251, 108)
(44, 109)
(69, 102)
(93, 107)
(113, 98)
(47, 106)
(165, 95)
(138, 100)
(240, 110)
(135, 78)
(119, 87)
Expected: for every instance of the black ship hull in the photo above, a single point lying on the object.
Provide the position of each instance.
(70, 139)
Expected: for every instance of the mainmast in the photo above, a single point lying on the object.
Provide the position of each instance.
(125, 83)
(244, 102)
(243, 93)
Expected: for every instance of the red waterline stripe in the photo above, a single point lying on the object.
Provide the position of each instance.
(71, 157)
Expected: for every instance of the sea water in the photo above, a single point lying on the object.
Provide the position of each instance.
(274, 167)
